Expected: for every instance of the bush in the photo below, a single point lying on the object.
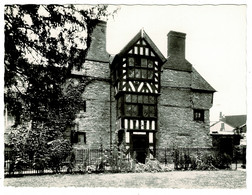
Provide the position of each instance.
(183, 161)
(151, 165)
(223, 161)
(59, 150)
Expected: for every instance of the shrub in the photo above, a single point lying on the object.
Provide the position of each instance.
(223, 160)
(183, 161)
(59, 150)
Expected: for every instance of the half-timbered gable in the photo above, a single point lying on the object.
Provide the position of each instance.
(136, 78)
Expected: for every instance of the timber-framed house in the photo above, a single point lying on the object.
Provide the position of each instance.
(141, 98)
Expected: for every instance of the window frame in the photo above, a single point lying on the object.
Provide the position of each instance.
(199, 115)
(75, 137)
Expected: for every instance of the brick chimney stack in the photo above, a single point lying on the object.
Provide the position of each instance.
(176, 44)
(97, 50)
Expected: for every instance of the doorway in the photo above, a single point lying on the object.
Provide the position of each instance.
(226, 146)
(140, 147)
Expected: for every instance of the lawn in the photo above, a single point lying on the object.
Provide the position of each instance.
(174, 179)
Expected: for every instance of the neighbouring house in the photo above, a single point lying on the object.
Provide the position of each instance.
(228, 132)
(141, 98)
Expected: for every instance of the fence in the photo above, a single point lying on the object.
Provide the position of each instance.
(87, 157)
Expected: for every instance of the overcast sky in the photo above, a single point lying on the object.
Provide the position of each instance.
(215, 44)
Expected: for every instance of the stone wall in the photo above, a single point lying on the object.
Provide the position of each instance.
(176, 124)
(93, 69)
(98, 122)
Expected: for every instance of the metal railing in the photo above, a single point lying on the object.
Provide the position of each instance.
(88, 157)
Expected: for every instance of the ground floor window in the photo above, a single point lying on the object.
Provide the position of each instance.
(79, 137)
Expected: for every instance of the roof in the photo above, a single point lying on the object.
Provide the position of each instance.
(173, 62)
(199, 83)
(235, 120)
(221, 127)
(141, 35)
(176, 63)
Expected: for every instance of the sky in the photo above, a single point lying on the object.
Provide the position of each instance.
(215, 44)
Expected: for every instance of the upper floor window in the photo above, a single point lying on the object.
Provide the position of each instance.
(140, 62)
(198, 115)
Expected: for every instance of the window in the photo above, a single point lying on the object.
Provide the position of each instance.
(145, 111)
(198, 115)
(144, 74)
(143, 62)
(78, 137)
(137, 73)
(82, 138)
(150, 74)
(131, 73)
(120, 136)
(134, 98)
(84, 106)
(150, 64)
(140, 105)
(131, 62)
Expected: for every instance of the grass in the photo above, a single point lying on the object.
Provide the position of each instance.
(174, 179)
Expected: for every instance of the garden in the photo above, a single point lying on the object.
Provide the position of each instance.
(116, 160)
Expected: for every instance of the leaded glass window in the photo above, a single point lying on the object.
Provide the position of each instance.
(150, 63)
(131, 73)
(146, 99)
(145, 111)
(131, 61)
(134, 111)
(143, 62)
(150, 74)
(144, 74)
(134, 98)
(128, 98)
(152, 111)
(140, 99)
(151, 99)
(138, 73)
(128, 110)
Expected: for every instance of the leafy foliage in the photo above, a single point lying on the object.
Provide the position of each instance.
(42, 44)
(197, 161)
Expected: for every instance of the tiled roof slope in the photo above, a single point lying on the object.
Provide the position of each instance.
(176, 63)
(235, 120)
(199, 83)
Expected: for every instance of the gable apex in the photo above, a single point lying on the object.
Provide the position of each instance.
(142, 35)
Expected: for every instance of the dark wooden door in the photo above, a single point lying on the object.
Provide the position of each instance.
(140, 147)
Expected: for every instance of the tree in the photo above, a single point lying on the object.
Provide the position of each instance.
(42, 44)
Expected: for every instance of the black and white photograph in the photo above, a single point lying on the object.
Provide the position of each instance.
(124, 96)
